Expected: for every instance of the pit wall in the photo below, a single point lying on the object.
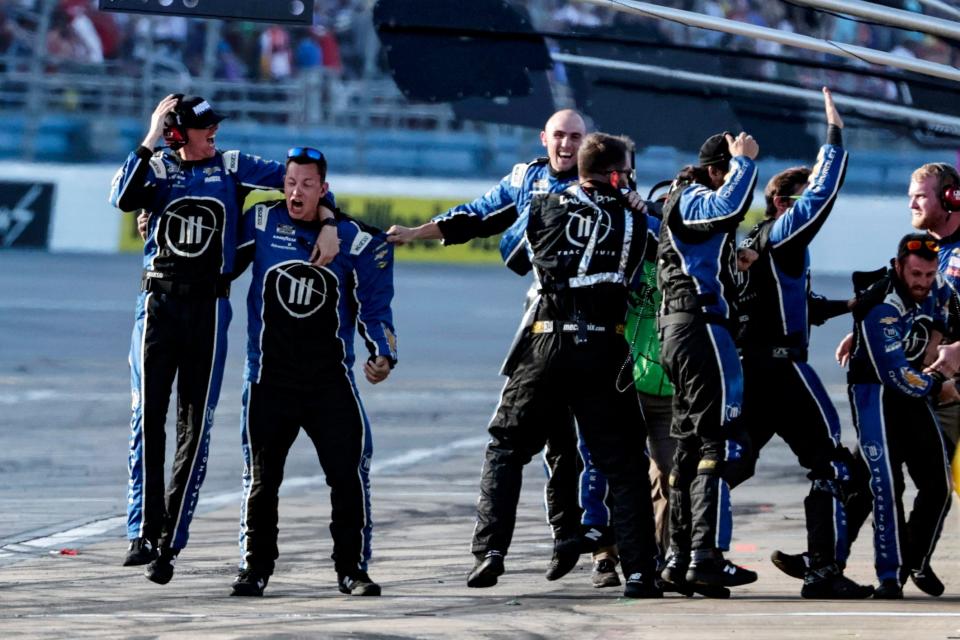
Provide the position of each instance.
(64, 208)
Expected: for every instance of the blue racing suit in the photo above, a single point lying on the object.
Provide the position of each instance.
(892, 412)
(773, 341)
(697, 267)
(299, 373)
(182, 316)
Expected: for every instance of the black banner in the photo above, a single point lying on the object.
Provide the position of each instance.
(286, 12)
(25, 211)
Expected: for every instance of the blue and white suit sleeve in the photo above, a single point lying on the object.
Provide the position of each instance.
(883, 339)
(253, 172)
(373, 292)
(135, 185)
(705, 210)
(799, 224)
(488, 215)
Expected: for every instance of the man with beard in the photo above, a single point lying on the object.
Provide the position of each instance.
(895, 422)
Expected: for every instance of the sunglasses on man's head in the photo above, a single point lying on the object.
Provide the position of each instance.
(304, 152)
(916, 245)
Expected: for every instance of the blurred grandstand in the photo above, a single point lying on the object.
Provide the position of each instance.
(77, 84)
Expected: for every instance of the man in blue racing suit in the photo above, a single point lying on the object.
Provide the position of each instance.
(191, 199)
(895, 421)
(696, 273)
(774, 319)
(299, 373)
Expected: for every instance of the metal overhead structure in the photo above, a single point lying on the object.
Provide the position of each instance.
(769, 88)
(735, 27)
(889, 16)
(940, 5)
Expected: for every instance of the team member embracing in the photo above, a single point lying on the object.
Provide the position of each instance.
(895, 421)
(299, 373)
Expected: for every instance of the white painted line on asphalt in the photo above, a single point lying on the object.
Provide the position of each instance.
(101, 527)
(191, 616)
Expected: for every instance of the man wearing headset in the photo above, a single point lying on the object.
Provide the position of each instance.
(935, 207)
(191, 199)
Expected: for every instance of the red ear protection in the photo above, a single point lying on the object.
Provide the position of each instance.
(615, 179)
(174, 133)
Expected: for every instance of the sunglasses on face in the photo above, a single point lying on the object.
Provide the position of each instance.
(308, 153)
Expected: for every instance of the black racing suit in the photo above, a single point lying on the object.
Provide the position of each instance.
(585, 247)
(782, 393)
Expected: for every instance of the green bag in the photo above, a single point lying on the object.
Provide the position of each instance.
(641, 332)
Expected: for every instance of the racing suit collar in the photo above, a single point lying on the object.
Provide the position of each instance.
(186, 164)
(950, 239)
(569, 174)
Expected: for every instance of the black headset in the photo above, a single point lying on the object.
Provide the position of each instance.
(174, 133)
(948, 188)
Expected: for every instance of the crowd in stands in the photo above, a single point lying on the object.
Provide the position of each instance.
(342, 35)
(562, 16)
(80, 36)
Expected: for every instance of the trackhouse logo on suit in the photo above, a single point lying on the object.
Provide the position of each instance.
(190, 225)
(300, 288)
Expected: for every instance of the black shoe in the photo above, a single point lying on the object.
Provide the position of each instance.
(927, 581)
(795, 566)
(639, 586)
(141, 551)
(161, 569)
(710, 568)
(829, 583)
(605, 573)
(888, 590)
(249, 583)
(357, 583)
(566, 555)
(486, 571)
(675, 569)
(674, 576)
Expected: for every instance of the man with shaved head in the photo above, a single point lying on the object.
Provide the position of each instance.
(505, 208)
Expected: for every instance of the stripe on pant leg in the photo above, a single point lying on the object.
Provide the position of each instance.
(143, 404)
(246, 441)
(873, 432)
(179, 539)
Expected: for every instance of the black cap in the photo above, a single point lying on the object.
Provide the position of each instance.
(196, 113)
(715, 150)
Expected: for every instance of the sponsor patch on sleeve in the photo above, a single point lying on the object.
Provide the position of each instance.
(912, 378)
(516, 178)
(261, 220)
(231, 161)
(158, 167)
(360, 243)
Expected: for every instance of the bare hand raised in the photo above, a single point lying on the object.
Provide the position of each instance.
(743, 145)
(164, 107)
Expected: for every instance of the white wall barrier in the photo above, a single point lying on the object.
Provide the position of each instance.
(861, 233)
